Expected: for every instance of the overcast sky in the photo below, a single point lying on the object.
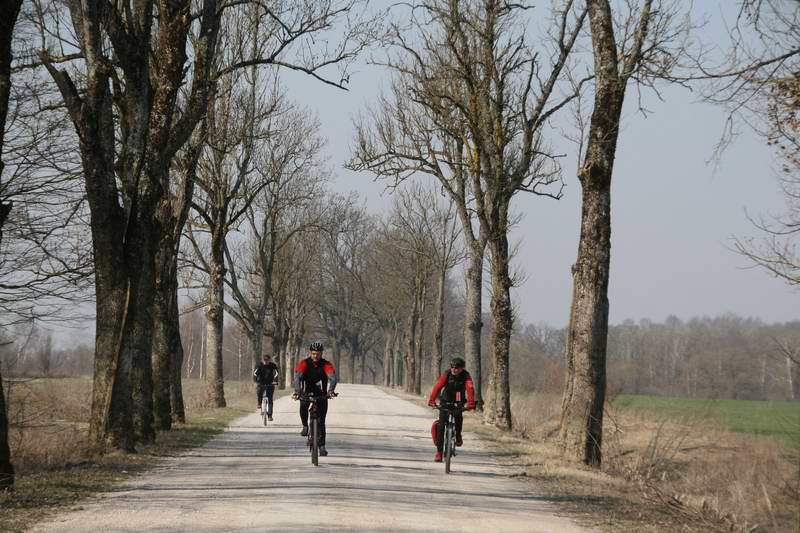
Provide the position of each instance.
(673, 211)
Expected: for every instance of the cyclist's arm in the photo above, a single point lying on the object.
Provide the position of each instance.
(470, 387)
(298, 373)
(255, 373)
(331, 373)
(438, 388)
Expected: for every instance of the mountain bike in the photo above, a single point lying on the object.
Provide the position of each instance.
(449, 448)
(313, 423)
(265, 403)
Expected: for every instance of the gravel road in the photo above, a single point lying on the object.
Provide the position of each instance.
(379, 476)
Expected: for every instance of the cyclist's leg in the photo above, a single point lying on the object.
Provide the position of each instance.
(270, 391)
(440, 431)
(259, 394)
(304, 412)
(459, 423)
(322, 410)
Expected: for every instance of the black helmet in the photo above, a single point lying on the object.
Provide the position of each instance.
(315, 346)
(457, 362)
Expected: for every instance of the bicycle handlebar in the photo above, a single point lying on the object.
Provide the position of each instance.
(314, 397)
(450, 405)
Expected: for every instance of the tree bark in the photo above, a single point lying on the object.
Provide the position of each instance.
(793, 378)
(585, 388)
(215, 316)
(472, 320)
(336, 352)
(502, 323)
(409, 355)
(420, 340)
(388, 342)
(399, 371)
(8, 19)
(438, 327)
(163, 333)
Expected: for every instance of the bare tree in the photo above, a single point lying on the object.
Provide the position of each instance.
(641, 54)
(124, 84)
(759, 83)
(469, 105)
(442, 225)
(286, 207)
(238, 126)
(9, 11)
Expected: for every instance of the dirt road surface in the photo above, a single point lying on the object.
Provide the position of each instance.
(379, 476)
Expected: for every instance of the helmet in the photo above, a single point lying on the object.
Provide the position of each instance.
(457, 362)
(315, 346)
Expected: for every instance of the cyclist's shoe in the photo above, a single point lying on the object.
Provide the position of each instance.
(269, 417)
(459, 442)
(438, 457)
(258, 409)
(322, 451)
(304, 432)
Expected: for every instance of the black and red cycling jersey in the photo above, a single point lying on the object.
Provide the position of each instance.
(314, 377)
(454, 388)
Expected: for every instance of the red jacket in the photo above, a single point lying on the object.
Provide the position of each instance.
(454, 387)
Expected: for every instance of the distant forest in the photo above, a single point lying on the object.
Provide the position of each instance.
(725, 357)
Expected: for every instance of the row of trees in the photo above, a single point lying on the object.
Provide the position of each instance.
(726, 357)
(140, 91)
(176, 126)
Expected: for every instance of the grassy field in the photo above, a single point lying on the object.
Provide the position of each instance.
(778, 419)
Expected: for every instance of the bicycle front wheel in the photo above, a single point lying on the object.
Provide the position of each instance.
(264, 411)
(315, 442)
(448, 447)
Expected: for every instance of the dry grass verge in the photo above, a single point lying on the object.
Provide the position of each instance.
(48, 440)
(671, 474)
(660, 474)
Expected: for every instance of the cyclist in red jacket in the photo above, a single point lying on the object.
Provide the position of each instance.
(316, 376)
(454, 385)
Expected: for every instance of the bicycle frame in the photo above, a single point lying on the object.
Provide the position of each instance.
(449, 448)
(313, 425)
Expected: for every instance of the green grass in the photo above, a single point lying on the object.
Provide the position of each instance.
(768, 418)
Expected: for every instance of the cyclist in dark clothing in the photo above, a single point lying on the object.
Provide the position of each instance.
(455, 385)
(265, 375)
(315, 376)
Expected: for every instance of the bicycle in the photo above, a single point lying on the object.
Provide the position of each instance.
(313, 423)
(449, 448)
(265, 405)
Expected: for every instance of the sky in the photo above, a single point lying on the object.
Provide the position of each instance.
(675, 210)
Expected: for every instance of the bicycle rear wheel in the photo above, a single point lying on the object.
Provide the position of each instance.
(314, 442)
(448, 447)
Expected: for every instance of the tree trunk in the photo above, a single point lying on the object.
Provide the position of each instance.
(408, 357)
(584, 392)
(398, 372)
(472, 320)
(585, 389)
(337, 354)
(141, 333)
(176, 386)
(111, 420)
(420, 340)
(793, 378)
(215, 316)
(502, 322)
(163, 333)
(257, 342)
(438, 327)
(388, 341)
(10, 12)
